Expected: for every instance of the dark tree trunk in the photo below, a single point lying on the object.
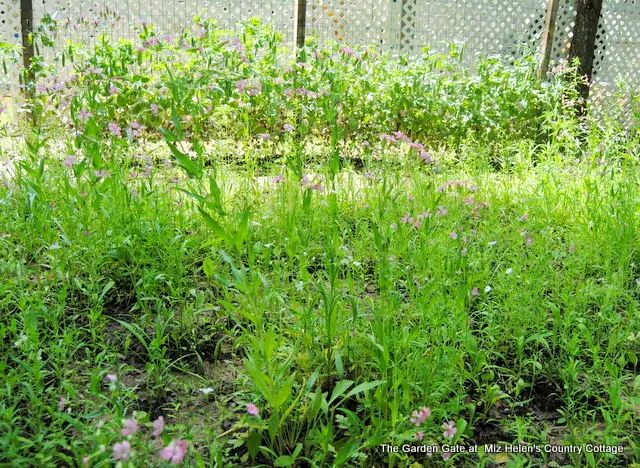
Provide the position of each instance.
(584, 39)
(301, 23)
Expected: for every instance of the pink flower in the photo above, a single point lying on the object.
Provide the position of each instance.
(113, 89)
(317, 187)
(405, 219)
(424, 215)
(175, 451)
(122, 451)
(410, 197)
(158, 426)
(449, 429)
(475, 292)
(70, 161)
(394, 226)
(400, 136)
(453, 235)
(420, 416)
(417, 223)
(264, 136)
(524, 217)
(130, 427)
(62, 402)
(442, 211)
(572, 248)
(241, 86)
(528, 240)
(446, 455)
(288, 128)
(279, 178)
(426, 157)
(387, 137)
(419, 435)
(83, 115)
(85, 461)
(418, 146)
(115, 129)
(252, 409)
(154, 108)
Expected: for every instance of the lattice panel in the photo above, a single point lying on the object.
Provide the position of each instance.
(168, 16)
(565, 21)
(10, 21)
(348, 21)
(10, 32)
(482, 27)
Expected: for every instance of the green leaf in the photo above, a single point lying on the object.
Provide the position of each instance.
(338, 361)
(284, 393)
(253, 443)
(215, 227)
(208, 267)
(193, 170)
(339, 389)
(363, 387)
(345, 452)
(283, 460)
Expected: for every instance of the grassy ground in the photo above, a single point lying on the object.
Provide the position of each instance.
(249, 292)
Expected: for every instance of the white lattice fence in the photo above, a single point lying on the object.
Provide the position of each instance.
(171, 16)
(10, 32)
(349, 21)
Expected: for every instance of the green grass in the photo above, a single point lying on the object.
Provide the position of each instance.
(200, 273)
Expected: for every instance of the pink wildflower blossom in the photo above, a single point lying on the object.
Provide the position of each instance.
(158, 426)
(130, 427)
(419, 417)
(70, 161)
(175, 451)
(426, 157)
(252, 409)
(122, 451)
(83, 115)
(62, 402)
(389, 138)
(449, 429)
(115, 129)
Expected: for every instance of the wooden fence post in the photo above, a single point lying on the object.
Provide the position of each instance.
(300, 25)
(583, 41)
(26, 22)
(547, 37)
